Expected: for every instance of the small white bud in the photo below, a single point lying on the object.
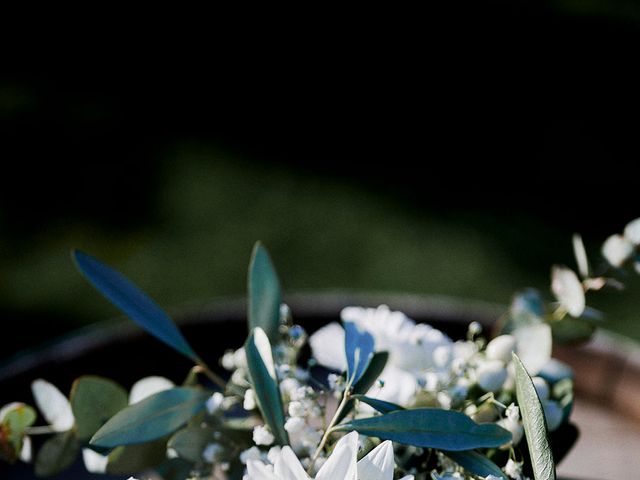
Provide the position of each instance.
(262, 435)
(491, 375)
(500, 348)
(249, 400)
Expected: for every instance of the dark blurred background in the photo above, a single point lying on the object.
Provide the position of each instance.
(452, 152)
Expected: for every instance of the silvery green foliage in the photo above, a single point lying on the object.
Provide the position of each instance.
(400, 400)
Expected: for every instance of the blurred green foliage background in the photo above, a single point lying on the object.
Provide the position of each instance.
(421, 167)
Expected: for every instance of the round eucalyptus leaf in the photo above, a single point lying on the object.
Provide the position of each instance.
(94, 400)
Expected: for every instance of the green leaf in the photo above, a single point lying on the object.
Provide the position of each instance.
(476, 463)
(17, 420)
(94, 400)
(534, 424)
(359, 347)
(133, 302)
(264, 293)
(152, 418)
(190, 442)
(379, 405)
(430, 428)
(130, 459)
(265, 384)
(373, 372)
(57, 454)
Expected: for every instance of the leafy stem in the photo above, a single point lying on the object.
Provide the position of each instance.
(329, 430)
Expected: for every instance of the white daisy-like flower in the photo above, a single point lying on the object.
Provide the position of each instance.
(145, 387)
(54, 406)
(341, 464)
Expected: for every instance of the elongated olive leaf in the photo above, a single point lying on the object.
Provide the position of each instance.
(57, 454)
(359, 347)
(131, 459)
(264, 293)
(151, 418)
(94, 400)
(133, 302)
(534, 424)
(430, 428)
(476, 463)
(379, 405)
(362, 386)
(265, 383)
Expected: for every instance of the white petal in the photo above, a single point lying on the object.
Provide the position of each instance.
(26, 452)
(568, 290)
(148, 386)
(616, 250)
(256, 470)
(327, 347)
(534, 346)
(94, 462)
(288, 467)
(491, 375)
(378, 464)
(632, 231)
(399, 386)
(407, 477)
(581, 255)
(54, 406)
(500, 348)
(341, 464)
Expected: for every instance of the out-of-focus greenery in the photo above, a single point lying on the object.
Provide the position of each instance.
(322, 234)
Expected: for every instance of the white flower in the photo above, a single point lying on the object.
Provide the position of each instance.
(511, 423)
(491, 375)
(412, 348)
(215, 403)
(617, 249)
(54, 406)
(568, 290)
(632, 231)
(252, 453)
(294, 424)
(513, 469)
(249, 400)
(296, 409)
(94, 462)
(341, 465)
(148, 386)
(262, 435)
(501, 347)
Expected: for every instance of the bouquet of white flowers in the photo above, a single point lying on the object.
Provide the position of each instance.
(377, 396)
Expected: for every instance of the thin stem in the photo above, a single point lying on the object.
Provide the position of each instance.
(345, 399)
(43, 430)
(214, 377)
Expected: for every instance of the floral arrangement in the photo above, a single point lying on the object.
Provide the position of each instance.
(379, 397)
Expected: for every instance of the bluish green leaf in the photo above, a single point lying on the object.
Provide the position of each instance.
(151, 418)
(362, 386)
(534, 424)
(380, 405)
(430, 428)
(264, 293)
(57, 454)
(133, 302)
(265, 383)
(359, 347)
(190, 442)
(94, 400)
(476, 463)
